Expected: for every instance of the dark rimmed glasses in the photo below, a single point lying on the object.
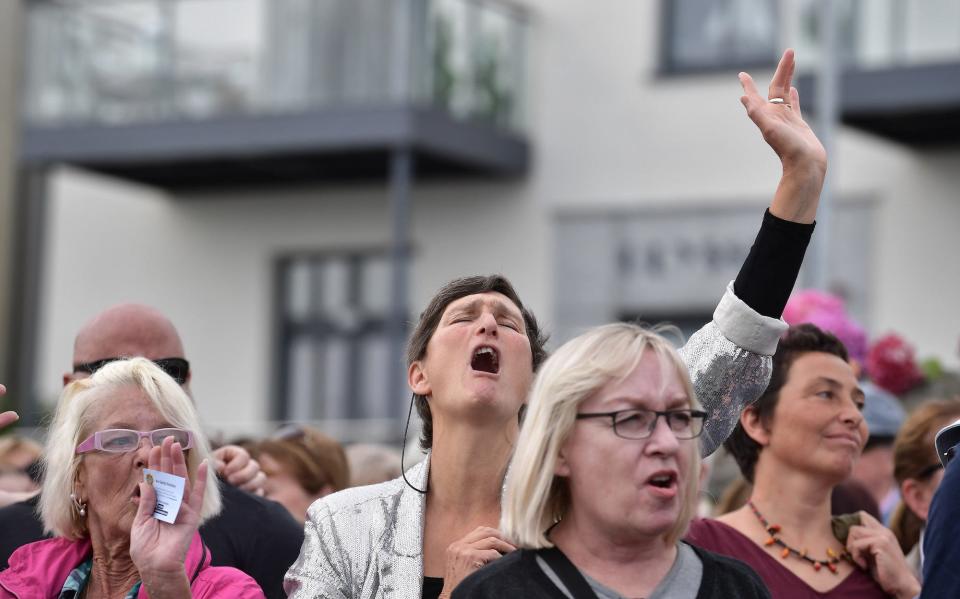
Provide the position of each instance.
(639, 423)
(177, 368)
(928, 471)
(121, 440)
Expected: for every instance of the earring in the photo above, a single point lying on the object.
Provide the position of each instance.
(81, 507)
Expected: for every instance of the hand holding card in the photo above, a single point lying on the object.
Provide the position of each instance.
(169, 491)
(168, 514)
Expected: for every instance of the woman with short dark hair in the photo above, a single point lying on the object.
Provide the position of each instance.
(797, 442)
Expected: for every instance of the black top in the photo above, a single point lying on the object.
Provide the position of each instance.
(19, 525)
(518, 575)
(431, 587)
(254, 535)
(251, 534)
(767, 276)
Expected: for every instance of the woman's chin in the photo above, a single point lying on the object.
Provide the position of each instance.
(838, 470)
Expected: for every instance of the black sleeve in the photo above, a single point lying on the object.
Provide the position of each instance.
(725, 577)
(254, 535)
(768, 274)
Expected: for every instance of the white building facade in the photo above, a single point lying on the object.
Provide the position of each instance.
(645, 188)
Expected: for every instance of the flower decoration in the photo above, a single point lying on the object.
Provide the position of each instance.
(892, 364)
(828, 312)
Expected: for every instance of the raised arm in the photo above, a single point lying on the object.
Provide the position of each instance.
(801, 154)
(729, 359)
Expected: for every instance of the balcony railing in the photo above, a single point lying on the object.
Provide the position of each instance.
(137, 61)
(880, 34)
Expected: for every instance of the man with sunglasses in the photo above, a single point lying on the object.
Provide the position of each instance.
(252, 534)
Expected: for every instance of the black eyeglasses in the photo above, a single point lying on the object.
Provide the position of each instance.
(928, 471)
(177, 368)
(639, 424)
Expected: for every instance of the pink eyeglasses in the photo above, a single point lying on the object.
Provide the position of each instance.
(121, 440)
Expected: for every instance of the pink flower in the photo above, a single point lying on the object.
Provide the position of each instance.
(804, 303)
(828, 313)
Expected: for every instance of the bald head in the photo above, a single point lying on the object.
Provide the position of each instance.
(125, 330)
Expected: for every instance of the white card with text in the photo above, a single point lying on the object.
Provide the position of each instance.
(169, 489)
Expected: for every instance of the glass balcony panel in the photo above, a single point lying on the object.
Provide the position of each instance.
(125, 61)
(882, 33)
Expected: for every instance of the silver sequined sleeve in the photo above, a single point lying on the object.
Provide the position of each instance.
(320, 571)
(363, 543)
(730, 361)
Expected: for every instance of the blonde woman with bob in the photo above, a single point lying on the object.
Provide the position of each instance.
(604, 480)
(107, 428)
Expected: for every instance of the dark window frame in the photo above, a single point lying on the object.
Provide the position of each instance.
(287, 329)
(667, 65)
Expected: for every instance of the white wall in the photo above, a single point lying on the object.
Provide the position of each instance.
(611, 132)
(207, 262)
(606, 131)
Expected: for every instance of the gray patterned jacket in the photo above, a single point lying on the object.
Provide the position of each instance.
(366, 542)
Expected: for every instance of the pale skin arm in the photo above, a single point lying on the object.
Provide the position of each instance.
(158, 549)
(464, 557)
(235, 465)
(875, 549)
(801, 154)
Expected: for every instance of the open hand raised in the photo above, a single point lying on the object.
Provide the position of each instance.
(159, 549)
(781, 123)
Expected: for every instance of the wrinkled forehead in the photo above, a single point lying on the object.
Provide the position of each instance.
(119, 406)
(492, 300)
(655, 382)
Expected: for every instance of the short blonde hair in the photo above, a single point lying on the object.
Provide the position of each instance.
(75, 419)
(534, 497)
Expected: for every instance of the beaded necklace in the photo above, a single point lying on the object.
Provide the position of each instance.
(833, 558)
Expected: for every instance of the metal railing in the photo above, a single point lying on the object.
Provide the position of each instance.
(128, 61)
(876, 34)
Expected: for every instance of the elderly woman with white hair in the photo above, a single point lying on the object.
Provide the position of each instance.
(604, 481)
(128, 416)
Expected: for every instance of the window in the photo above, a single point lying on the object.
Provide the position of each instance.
(334, 346)
(715, 34)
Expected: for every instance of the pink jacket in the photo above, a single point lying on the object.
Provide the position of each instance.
(38, 571)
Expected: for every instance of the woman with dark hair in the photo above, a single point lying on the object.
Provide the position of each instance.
(472, 358)
(797, 442)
